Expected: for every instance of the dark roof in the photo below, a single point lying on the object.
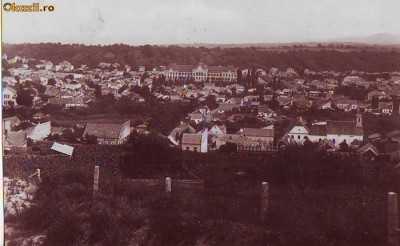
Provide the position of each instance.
(318, 130)
(343, 128)
(228, 106)
(258, 132)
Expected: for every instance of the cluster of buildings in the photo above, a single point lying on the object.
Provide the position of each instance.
(223, 102)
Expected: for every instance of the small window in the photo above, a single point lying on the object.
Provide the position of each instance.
(298, 137)
(187, 148)
(195, 149)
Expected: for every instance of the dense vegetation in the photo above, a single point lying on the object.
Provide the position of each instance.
(369, 60)
(316, 198)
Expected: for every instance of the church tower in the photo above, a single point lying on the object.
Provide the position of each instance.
(359, 120)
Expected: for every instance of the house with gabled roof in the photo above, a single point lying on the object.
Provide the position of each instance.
(368, 151)
(298, 131)
(15, 139)
(112, 134)
(176, 134)
(10, 122)
(195, 142)
(263, 134)
(385, 108)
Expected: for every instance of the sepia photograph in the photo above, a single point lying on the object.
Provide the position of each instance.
(200, 122)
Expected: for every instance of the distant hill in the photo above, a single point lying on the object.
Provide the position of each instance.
(380, 38)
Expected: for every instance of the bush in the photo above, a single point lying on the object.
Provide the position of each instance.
(65, 229)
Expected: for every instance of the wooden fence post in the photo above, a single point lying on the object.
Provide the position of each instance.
(168, 187)
(38, 174)
(392, 219)
(264, 201)
(96, 180)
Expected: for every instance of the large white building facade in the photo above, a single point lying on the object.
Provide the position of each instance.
(201, 73)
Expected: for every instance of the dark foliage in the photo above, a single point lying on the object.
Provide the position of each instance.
(151, 56)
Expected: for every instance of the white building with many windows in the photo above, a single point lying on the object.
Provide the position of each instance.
(9, 96)
(200, 73)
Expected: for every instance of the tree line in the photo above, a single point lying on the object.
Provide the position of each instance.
(152, 56)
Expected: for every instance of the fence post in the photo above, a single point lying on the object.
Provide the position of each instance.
(38, 174)
(392, 219)
(264, 201)
(168, 187)
(96, 180)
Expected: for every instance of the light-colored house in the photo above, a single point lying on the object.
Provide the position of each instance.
(299, 131)
(195, 142)
(386, 108)
(9, 96)
(347, 104)
(64, 66)
(10, 122)
(176, 134)
(15, 139)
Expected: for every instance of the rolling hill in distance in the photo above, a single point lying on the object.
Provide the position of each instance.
(376, 39)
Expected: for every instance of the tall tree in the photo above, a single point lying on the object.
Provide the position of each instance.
(24, 97)
(97, 91)
(239, 76)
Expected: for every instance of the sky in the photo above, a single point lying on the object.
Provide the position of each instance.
(200, 21)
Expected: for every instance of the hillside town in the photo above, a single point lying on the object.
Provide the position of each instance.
(245, 110)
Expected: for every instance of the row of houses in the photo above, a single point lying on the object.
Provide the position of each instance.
(109, 134)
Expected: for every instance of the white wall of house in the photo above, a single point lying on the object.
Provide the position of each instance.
(9, 95)
(298, 133)
(316, 138)
(204, 142)
(192, 147)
